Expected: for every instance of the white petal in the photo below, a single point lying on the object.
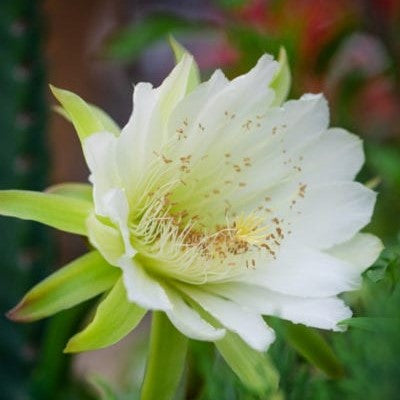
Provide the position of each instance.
(188, 321)
(333, 213)
(105, 238)
(249, 326)
(116, 208)
(142, 288)
(283, 136)
(337, 153)
(305, 272)
(146, 130)
(216, 121)
(361, 251)
(322, 313)
(206, 130)
(99, 150)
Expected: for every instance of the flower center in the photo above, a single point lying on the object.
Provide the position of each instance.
(177, 244)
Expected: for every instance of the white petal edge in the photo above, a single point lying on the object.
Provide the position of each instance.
(99, 150)
(323, 313)
(361, 251)
(142, 288)
(188, 321)
(332, 213)
(339, 155)
(116, 207)
(304, 272)
(248, 325)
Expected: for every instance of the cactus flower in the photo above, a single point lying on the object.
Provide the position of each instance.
(217, 203)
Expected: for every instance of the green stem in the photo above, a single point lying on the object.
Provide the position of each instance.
(166, 360)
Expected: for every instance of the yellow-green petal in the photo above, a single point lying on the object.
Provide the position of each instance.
(109, 124)
(83, 116)
(61, 212)
(282, 79)
(80, 280)
(115, 317)
(179, 52)
(83, 191)
(253, 368)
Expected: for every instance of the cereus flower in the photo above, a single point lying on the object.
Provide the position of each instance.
(216, 204)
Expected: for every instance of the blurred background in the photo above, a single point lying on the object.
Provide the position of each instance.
(349, 50)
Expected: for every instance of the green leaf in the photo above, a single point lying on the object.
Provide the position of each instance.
(253, 368)
(179, 52)
(80, 280)
(83, 116)
(385, 266)
(65, 213)
(82, 191)
(166, 360)
(281, 81)
(313, 347)
(115, 317)
(109, 124)
(372, 324)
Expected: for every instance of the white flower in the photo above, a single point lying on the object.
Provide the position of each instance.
(218, 199)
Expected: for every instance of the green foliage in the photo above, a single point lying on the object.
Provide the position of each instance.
(312, 346)
(130, 42)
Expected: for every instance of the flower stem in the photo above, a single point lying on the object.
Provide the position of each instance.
(166, 359)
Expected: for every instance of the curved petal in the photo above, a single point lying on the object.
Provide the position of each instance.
(338, 154)
(249, 326)
(141, 288)
(322, 313)
(179, 52)
(332, 213)
(361, 251)
(284, 136)
(188, 321)
(99, 151)
(282, 79)
(116, 208)
(146, 130)
(305, 272)
(106, 239)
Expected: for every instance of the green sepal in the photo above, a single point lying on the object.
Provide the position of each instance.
(282, 79)
(254, 369)
(61, 212)
(109, 124)
(115, 317)
(83, 191)
(85, 118)
(80, 280)
(314, 348)
(166, 360)
(179, 51)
